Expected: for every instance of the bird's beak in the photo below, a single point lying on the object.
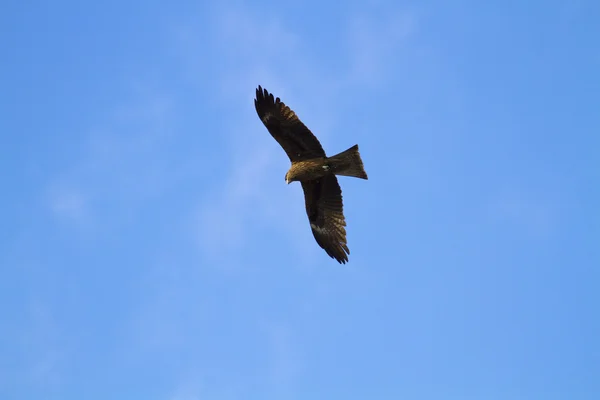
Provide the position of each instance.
(287, 181)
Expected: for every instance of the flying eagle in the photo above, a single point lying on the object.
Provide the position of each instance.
(314, 170)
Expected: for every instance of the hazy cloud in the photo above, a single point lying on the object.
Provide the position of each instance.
(120, 161)
(373, 41)
(68, 203)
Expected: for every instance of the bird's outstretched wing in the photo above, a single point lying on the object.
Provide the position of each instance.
(324, 207)
(286, 128)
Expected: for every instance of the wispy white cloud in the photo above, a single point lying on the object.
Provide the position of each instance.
(120, 161)
(374, 41)
(222, 219)
(68, 203)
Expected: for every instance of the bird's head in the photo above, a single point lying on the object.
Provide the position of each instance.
(289, 178)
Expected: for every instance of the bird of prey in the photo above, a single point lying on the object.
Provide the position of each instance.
(314, 170)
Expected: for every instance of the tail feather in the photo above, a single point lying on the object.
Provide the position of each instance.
(349, 163)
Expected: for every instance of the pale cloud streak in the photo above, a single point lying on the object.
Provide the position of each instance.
(68, 203)
(121, 160)
(373, 41)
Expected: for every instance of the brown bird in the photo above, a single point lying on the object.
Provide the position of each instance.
(314, 170)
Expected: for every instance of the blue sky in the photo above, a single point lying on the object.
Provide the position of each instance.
(150, 248)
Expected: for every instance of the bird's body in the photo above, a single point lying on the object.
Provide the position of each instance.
(314, 170)
(347, 163)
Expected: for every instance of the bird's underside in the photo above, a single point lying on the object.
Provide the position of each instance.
(316, 172)
(310, 169)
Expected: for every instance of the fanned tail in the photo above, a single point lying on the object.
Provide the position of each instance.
(348, 163)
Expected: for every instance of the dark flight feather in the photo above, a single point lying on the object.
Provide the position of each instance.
(325, 210)
(286, 128)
